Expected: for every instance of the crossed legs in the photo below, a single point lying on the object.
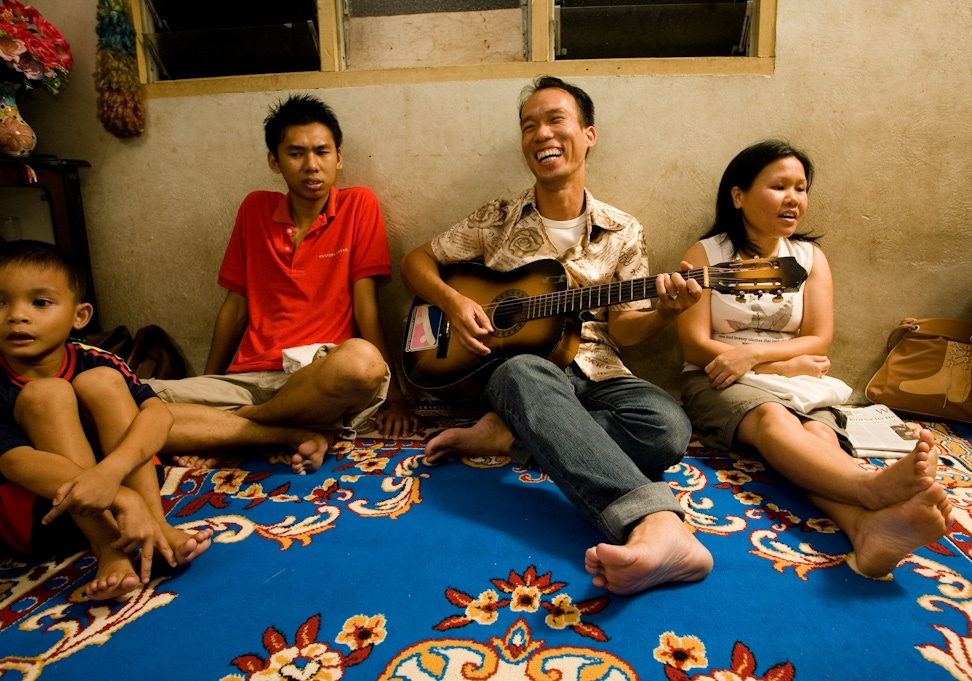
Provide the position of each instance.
(599, 443)
(51, 411)
(887, 514)
(344, 382)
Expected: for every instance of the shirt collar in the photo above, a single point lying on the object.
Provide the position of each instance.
(596, 215)
(282, 212)
(68, 367)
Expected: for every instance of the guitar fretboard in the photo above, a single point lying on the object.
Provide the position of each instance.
(580, 299)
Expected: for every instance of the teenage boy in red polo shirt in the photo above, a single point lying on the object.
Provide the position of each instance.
(301, 269)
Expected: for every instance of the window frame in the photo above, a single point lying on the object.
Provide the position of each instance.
(541, 60)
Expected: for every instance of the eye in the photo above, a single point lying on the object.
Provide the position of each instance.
(42, 302)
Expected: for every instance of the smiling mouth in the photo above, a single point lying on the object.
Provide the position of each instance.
(546, 154)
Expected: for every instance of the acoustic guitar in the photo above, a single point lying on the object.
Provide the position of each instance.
(534, 311)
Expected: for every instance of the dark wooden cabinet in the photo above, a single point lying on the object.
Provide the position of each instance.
(60, 182)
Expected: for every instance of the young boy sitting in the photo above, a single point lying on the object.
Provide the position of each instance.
(78, 432)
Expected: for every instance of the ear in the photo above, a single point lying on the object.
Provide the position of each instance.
(340, 160)
(737, 196)
(272, 160)
(591, 134)
(82, 315)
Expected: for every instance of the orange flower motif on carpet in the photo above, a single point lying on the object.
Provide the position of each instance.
(526, 594)
(308, 659)
(517, 655)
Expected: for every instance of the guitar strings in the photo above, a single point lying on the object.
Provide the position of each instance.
(548, 304)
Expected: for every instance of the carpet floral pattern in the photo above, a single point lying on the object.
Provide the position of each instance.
(381, 567)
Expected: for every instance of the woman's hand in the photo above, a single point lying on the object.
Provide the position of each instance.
(730, 365)
(803, 365)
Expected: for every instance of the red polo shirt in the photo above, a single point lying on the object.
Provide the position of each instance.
(301, 296)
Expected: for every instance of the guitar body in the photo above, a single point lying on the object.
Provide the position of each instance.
(534, 311)
(452, 371)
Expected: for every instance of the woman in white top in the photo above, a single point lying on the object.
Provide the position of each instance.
(761, 200)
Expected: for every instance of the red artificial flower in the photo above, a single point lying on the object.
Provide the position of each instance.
(31, 48)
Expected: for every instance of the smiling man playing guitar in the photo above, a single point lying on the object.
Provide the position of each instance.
(600, 433)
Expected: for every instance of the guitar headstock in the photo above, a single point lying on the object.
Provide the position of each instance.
(764, 275)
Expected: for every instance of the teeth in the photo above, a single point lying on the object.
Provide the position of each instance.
(548, 153)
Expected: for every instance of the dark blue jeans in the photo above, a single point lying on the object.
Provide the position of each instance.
(603, 443)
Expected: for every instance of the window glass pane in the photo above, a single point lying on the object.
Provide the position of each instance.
(193, 39)
(383, 8)
(190, 39)
(605, 29)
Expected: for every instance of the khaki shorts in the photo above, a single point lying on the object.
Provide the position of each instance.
(229, 392)
(716, 414)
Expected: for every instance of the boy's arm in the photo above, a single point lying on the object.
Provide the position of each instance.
(396, 418)
(228, 332)
(94, 490)
(37, 471)
(43, 473)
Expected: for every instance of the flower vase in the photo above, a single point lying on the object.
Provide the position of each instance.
(17, 138)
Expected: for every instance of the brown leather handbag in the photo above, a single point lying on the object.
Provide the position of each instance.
(928, 370)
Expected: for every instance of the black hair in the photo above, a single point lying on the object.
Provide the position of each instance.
(44, 255)
(299, 110)
(585, 105)
(742, 172)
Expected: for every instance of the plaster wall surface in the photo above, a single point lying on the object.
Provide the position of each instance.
(879, 94)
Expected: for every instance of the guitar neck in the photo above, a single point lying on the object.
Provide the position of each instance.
(577, 300)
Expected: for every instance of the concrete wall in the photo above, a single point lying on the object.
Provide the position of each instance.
(878, 93)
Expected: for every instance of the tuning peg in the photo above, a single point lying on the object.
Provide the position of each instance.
(740, 297)
(778, 298)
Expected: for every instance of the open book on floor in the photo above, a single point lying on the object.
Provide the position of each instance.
(877, 432)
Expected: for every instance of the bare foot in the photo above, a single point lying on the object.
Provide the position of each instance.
(115, 575)
(187, 547)
(659, 549)
(907, 476)
(310, 453)
(489, 436)
(882, 538)
(210, 461)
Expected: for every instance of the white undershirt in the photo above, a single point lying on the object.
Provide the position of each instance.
(565, 234)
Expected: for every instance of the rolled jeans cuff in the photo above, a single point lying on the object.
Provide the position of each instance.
(618, 518)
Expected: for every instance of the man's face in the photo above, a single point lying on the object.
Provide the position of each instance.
(308, 160)
(555, 142)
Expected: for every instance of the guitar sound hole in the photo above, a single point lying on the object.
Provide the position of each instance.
(508, 315)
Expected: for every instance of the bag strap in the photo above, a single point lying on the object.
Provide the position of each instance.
(952, 329)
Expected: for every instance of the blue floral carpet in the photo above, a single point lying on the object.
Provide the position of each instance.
(381, 567)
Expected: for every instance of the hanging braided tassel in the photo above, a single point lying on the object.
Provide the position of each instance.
(116, 71)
